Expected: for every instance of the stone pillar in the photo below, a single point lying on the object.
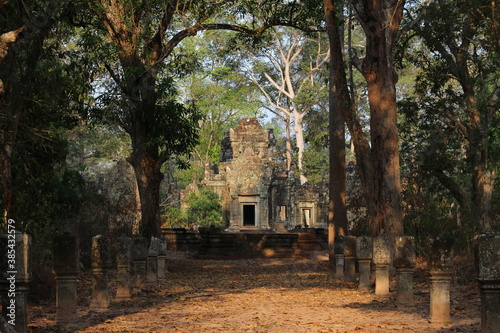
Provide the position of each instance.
(382, 260)
(364, 255)
(101, 263)
(488, 274)
(152, 264)
(139, 257)
(440, 266)
(123, 259)
(66, 265)
(350, 258)
(339, 256)
(162, 255)
(404, 262)
(15, 273)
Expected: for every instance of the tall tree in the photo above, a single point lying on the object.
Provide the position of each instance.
(290, 82)
(378, 162)
(458, 98)
(144, 36)
(28, 116)
(8, 131)
(381, 20)
(221, 93)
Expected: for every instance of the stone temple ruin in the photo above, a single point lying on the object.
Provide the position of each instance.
(256, 193)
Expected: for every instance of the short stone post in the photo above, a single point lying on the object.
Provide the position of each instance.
(350, 258)
(440, 266)
(364, 255)
(404, 262)
(15, 273)
(152, 264)
(339, 256)
(66, 266)
(488, 274)
(162, 255)
(101, 263)
(139, 258)
(123, 258)
(382, 260)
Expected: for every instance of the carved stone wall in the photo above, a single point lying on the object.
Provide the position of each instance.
(255, 193)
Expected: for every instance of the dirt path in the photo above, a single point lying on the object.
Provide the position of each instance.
(262, 295)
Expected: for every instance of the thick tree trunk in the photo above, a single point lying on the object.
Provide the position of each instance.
(149, 177)
(8, 130)
(385, 153)
(482, 178)
(380, 20)
(338, 101)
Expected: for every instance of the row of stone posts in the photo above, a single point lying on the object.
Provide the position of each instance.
(148, 265)
(66, 267)
(377, 251)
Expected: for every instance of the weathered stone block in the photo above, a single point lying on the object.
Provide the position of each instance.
(101, 262)
(152, 264)
(350, 258)
(382, 260)
(364, 247)
(66, 266)
(139, 259)
(404, 252)
(338, 244)
(66, 255)
(381, 250)
(487, 254)
(350, 246)
(440, 254)
(101, 255)
(364, 255)
(440, 266)
(123, 260)
(404, 261)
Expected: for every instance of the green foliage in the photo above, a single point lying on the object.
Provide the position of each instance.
(46, 91)
(175, 218)
(451, 106)
(220, 93)
(205, 209)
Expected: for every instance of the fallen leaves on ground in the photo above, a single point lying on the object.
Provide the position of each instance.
(260, 295)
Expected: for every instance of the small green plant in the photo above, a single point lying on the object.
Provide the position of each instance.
(174, 218)
(205, 209)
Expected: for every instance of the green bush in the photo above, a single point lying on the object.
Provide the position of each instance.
(175, 218)
(205, 209)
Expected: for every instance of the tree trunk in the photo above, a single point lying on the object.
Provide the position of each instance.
(338, 101)
(299, 138)
(288, 143)
(482, 178)
(6, 178)
(149, 177)
(380, 20)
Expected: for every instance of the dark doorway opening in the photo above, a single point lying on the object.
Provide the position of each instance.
(249, 215)
(306, 217)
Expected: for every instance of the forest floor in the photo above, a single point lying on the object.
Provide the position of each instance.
(264, 295)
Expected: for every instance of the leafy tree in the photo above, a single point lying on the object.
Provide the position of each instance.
(379, 160)
(145, 40)
(289, 77)
(205, 209)
(43, 91)
(452, 120)
(220, 92)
